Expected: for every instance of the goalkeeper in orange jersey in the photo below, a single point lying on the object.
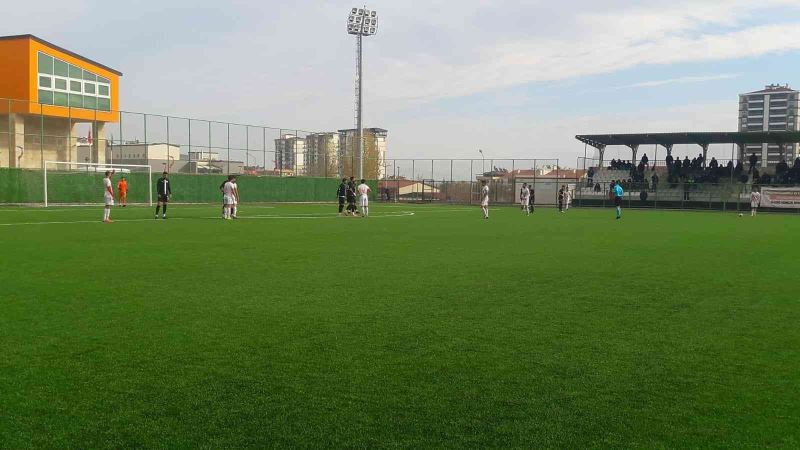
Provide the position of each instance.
(122, 192)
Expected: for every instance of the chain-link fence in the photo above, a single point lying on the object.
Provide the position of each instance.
(460, 180)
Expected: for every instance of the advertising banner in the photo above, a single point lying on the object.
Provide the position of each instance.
(780, 197)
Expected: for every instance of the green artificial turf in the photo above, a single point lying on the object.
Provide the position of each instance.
(295, 328)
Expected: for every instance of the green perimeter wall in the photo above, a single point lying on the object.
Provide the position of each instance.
(26, 186)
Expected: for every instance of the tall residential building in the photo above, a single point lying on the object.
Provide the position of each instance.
(321, 155)
(374, 153)
(290, 151)
(775, 108)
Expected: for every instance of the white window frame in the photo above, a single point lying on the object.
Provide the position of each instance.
(66, 80)
(98, 90)
(93, 94)
(39, 81)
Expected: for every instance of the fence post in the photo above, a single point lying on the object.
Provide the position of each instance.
(190, 144)
(146, 145)
(470, 181)
(41, 133)
(264, 147)
(11, 137)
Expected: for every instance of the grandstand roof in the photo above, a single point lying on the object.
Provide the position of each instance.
(699, 138)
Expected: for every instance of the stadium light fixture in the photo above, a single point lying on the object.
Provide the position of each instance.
(361, 22)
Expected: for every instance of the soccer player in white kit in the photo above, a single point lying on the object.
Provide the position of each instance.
(235, 208)
(109, 196)
(567, 198)
(228, 197)
(525, 199)
(485, 199)
(363, 197)
(755, 202)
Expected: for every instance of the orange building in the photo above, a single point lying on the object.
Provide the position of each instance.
(45, 93)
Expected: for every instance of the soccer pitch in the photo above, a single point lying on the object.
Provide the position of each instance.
(422, 326)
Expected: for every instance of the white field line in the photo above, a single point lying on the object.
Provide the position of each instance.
(100, 206)
(290, 217)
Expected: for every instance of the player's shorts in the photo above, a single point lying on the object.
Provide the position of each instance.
(753, 205)
(524, 202)
(364, 201)
(485, 202)
(123, 195)
(228, 200)
(163, 198)
(617, 201)
(109, 199)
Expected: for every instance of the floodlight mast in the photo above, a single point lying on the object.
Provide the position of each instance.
(361, 22)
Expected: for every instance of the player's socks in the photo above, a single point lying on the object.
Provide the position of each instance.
(158, 208)
(233, 211)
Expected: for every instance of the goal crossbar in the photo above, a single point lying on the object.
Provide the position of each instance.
(102, 167)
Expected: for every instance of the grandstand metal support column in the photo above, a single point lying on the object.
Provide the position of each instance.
(655, 154)
(741, 151)
(704, 146)
(602, 150)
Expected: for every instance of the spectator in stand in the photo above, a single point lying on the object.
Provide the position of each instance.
(695, 163)
(645, 160)
(781, 168)
(678, 164)
(597, 187)
(654, 180)
(669, 160)
(739, 168)
(686, 163)
(753, 161)
(714, 164)
(700, 160)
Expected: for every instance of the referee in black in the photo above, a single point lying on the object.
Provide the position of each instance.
(341, 194)
(164, 190)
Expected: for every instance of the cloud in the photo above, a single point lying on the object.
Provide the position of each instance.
(592, 43)
(669, 81)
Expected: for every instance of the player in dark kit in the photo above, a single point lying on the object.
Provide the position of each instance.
(341, 194)
(164, 190)
(532, 198)
(351, 196)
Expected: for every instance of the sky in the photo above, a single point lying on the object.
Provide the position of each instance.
(517, 79)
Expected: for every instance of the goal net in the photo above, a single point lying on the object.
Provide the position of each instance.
(82, 183)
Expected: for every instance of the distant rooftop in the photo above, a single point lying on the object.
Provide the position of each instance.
(770, 88)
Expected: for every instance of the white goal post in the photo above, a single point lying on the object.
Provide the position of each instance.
(78, 167)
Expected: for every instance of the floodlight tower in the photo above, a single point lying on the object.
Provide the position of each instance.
(361, 22)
